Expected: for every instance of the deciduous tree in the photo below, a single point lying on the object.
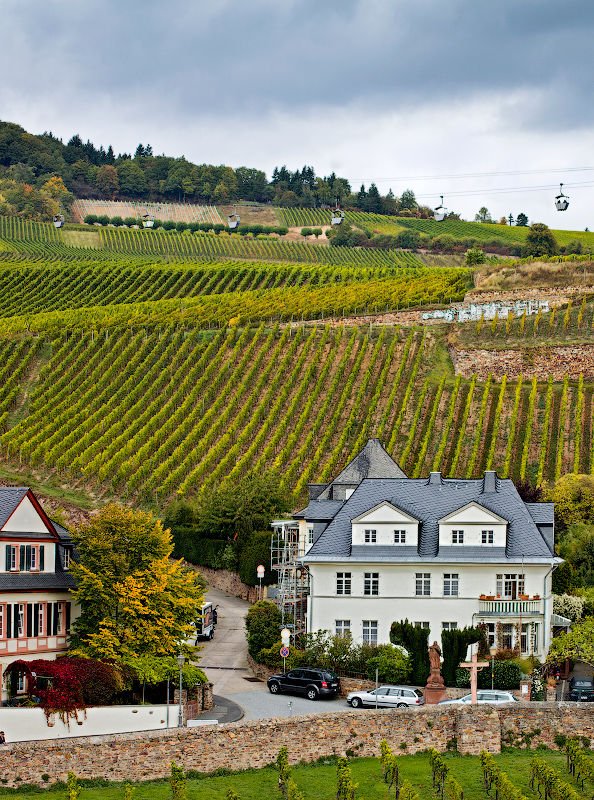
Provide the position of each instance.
(137, 605)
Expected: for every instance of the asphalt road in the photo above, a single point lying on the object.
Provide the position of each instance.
(261, 704)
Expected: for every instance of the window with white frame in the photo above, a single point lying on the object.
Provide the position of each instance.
(310, 535)
(510, 585)
(33, 559)
(66, 558)
(60, 617)
(450, 584)
(343, 583)
(421, 624)
(371, 583)
(449, 626)
(24, 558)
(14, 558)
(41, 619)
(457, 537)
(423, 584)
(491, 634)
(507, 636)
(399, 537)
(2, 623)
(21, 620)
(487, 537)
(524, 638)
(370, 537)
(370, 631)
(342, 626)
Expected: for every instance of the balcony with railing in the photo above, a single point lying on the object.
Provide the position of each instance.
(506, 607)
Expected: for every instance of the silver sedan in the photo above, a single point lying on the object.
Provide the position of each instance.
(387, 697)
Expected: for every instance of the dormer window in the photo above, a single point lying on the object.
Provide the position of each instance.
(66, 560)
(487, 537)
(399, 537)
(370, 537)
(457, 537)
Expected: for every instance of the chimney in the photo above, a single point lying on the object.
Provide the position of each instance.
(490, 482)
(435, 479)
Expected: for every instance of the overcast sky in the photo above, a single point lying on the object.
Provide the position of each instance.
(406, 93)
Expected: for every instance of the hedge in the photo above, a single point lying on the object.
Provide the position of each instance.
(507, 676)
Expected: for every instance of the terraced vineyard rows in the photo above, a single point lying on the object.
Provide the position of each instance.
(45, 286)
(186, 212)
(304, 217)
(211, 246)
(15, 228)
(149, 415)
(410, 287)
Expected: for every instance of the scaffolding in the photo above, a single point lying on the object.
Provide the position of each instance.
(293, 577)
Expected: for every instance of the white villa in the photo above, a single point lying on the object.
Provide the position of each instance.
(36, 607)
(440, 552)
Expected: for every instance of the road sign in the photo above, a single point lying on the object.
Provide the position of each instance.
(284, 651)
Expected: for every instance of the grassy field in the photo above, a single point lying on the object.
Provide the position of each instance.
(318, 781)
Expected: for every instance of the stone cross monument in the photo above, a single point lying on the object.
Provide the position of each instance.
(474, 665)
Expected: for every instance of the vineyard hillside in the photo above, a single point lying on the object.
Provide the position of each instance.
(147, 370)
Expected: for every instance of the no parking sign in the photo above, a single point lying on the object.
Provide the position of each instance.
(284, 651)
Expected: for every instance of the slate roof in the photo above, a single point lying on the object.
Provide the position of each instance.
(320, 510)
(542, 513)
(42, 581)
(428, 500)
(373, 461)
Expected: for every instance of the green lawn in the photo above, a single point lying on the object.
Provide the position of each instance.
(318, 782)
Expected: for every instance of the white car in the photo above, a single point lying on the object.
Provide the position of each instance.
(387, 697)
(483, 696)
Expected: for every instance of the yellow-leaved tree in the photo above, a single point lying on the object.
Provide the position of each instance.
(137, 605)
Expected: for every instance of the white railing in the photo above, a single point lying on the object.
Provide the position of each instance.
(513, 608)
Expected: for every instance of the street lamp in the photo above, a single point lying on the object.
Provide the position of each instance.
(260, 570)
(492, 650)
(180, 661)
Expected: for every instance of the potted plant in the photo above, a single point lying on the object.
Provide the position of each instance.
(490, 597)
(482, 597)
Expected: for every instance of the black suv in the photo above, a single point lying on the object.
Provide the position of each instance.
(581, 690)
(309, 681)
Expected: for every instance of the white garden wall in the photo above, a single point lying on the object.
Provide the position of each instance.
(30, 724)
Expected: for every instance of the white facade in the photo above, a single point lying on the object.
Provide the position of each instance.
(441, 553)
(397, 599)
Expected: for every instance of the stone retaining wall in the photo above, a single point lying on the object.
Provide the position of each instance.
(228, 581)
(539, 361)
(255, 744)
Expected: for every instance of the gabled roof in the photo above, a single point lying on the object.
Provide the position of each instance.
(429, 500)
(472, 504)
(383, 504)
(373, 461)
(12, 497)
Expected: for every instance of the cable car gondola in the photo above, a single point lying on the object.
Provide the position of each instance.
(58, 220)
(440, 212)
(233, 219)
(147, 221)
(561, 201)
(337, 215)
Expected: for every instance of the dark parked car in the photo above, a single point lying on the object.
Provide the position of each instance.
(581, 690)
(305, 680)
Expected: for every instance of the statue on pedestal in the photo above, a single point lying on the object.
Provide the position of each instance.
(435, 688)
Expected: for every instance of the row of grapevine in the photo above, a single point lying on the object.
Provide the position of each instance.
(283, 304)
(17, 228)
(38, 288)
(162, 411)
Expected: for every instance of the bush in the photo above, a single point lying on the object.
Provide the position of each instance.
(392, 664)
(305, 232)
(474, 256)
(507, 676)
(203, 552)
(90, 219)
(181, 226)
(414, 640)
(117, 221)
(271, 657)
(263, 624)
(357, 239)
(103, 219)
(566, 605)
(130, 221)
(194, 226)
(408, 239)
(168, 225)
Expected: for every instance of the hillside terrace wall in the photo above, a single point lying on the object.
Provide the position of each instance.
(228, 581)
(254, 744)
(570, 360)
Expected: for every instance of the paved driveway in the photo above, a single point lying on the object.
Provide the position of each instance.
(224, 660)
